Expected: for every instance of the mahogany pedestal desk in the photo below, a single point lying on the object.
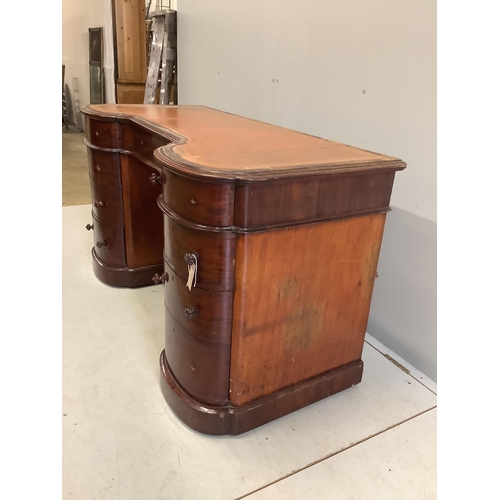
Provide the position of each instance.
(266, 241)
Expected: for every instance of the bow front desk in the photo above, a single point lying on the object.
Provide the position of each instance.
(266, 241)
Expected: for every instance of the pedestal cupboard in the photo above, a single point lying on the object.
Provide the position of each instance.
(268, 247)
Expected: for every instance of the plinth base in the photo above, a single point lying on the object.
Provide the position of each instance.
(124, 277)
(218, 420)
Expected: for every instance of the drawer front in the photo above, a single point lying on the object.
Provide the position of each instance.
(109, 243)
(141, 141)
(102, 133)
(104, 167)
(200, 202)
(107, 203)
(205, 314)
(215, 253)
(262, 204)
(201, 368)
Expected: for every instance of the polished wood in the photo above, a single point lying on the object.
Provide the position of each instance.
(143, 220)
(271, 240)
(107, 203)
(128, 227)
(311, 199)
(229, 419)
(109, 243)
(140, 141)
(304, 294)
(124, 276)
(201, 367)
(104, 166)
(215, 250)
(102, 133)
(206, 203)
(130, 93)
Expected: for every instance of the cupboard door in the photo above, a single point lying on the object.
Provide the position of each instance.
(142, 216)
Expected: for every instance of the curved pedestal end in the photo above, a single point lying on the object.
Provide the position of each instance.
(124, 277)
(238, 419)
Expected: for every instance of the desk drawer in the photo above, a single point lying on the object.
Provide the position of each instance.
(103, 134)
(202, 313)
(104, 167)
(201, 368)
(215, 252)
(200, 202)
(109, 243)
(143, 142)
(107, 203)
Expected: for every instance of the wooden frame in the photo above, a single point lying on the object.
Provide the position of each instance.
(96, 59)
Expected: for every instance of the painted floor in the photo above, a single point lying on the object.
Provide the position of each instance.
(376, 440)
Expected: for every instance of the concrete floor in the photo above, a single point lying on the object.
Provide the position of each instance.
(75, 176)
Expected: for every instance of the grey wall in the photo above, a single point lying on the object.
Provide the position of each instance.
(403, 314)
(77, 18)
(355, 71)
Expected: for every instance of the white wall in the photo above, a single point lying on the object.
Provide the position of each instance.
(355, 71)
(77, 18)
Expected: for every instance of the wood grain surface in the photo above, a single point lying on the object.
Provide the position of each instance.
(143, 218)
(215, 251)
(301, 302)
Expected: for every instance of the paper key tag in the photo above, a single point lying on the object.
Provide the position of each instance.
(192, 263)
(191, 272)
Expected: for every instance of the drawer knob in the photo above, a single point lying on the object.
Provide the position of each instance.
(98, 204)
(190, 312)
(155, 178)
(89, 227)
(101, 244)
(160, 279)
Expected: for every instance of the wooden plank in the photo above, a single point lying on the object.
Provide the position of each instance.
(130, 93)
(130, 29)
(143, 220)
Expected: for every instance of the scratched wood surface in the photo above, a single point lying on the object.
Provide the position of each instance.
(301, 302)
